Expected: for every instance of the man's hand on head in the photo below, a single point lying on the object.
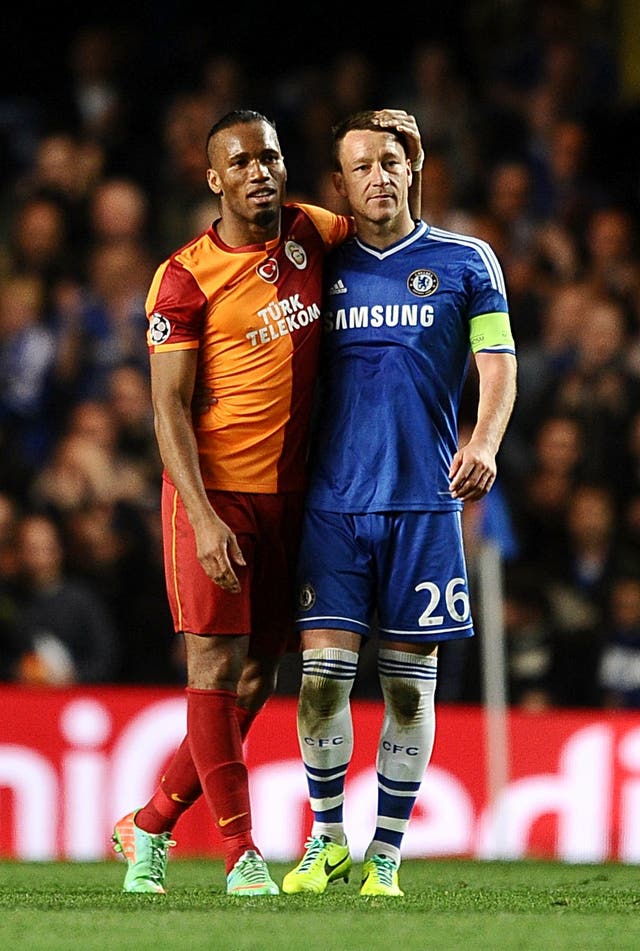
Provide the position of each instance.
(405, 123)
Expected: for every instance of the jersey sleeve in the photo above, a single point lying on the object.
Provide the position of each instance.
(488, 310)
(175, 308)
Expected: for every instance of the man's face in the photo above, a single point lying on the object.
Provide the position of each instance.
(375, 175)
(248, 173)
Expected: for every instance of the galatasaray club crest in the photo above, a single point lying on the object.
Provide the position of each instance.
(296, 254)
(422, 282)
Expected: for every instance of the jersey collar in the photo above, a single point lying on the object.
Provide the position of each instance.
(420, 229)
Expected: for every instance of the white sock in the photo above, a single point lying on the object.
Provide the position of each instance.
(325, 733)
(408, 684)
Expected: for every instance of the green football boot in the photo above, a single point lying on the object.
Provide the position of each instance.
(250, 876)
(380, 877)
(323, 862)
(146, 856)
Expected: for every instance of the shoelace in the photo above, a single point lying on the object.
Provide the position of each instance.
(159, 849)
(385, 868)
(253, 869)
(314, 846)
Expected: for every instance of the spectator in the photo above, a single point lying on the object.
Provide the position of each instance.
(27, 369)
(118, 212)
(630, 476)
(182, 182)
(437, 94)
(113, 328)
(612, 255)
(600, 388)
(549, 44)
(223, 82)
(510, 202)
(11, 645)
(542, 365)
(38, 244)
(68, 636)
(530, 640)
(619, 668)
(563, 190)
(129, 398)
(87, 466)
(112, 549)
(544, 494)
(64, 170)
(98, 100)
(439, 206)
(577, 580)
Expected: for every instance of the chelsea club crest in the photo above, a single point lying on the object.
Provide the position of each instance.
(423, 282)
(306, 597)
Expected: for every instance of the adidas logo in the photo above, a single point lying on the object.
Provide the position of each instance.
(337, 288)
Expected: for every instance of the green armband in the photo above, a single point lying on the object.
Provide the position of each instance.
(491, 332)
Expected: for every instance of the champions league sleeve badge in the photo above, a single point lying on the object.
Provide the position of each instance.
(159, 329)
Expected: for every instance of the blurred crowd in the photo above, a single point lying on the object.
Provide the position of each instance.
(531, 144)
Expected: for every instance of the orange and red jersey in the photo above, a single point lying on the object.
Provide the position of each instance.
(253, 313)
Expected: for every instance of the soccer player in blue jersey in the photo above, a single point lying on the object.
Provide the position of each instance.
(405, 307)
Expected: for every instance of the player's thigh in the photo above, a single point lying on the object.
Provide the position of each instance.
(335, 574)
(198, 605)
(423, 589)
(278, 525)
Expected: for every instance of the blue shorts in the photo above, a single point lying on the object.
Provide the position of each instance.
(405, 570)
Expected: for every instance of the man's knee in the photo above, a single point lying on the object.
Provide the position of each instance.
(215, 663)
(257, 682)
(325, 697)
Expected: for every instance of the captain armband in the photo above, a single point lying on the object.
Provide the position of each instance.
(491, 332)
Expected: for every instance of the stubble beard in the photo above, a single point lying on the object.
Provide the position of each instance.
(266, 218)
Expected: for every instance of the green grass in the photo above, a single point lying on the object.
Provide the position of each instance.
(449, 905)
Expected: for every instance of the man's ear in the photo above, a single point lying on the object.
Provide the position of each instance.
(213, 181)
(338, 184)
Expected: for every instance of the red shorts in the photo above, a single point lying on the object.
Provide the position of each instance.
(268, 531)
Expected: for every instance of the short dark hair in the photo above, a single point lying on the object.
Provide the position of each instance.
(363, 121)
(237, 117)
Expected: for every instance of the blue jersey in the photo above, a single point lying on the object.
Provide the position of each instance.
(399, 327)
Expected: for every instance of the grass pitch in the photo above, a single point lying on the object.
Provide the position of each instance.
(448, 905)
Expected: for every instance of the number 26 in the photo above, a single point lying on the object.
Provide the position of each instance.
(456, 600)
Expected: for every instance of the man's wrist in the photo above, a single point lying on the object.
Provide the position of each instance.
(418, 162)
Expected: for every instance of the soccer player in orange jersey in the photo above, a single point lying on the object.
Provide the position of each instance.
(235, 312)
